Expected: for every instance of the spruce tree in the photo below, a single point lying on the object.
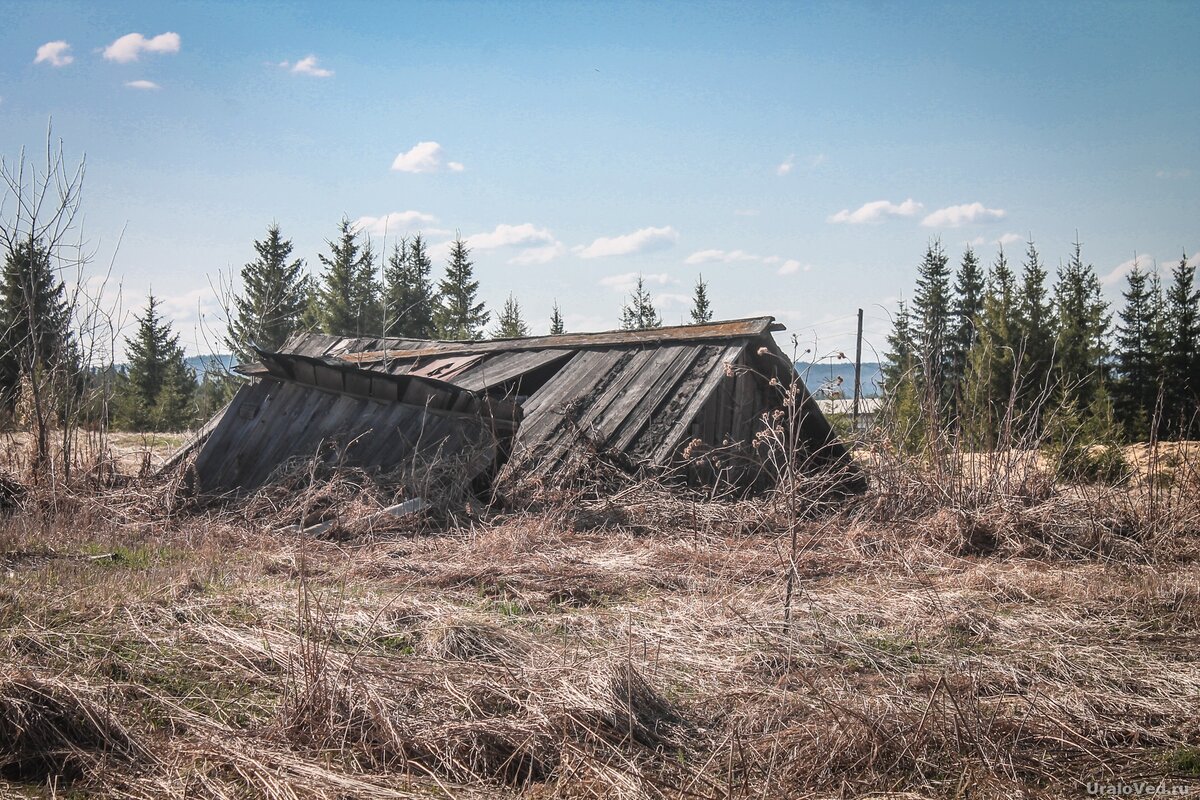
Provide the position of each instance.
(1135, 389)
(989, 379)
(157, 388)
(701, 310)
(902, 348)
(510, 325)
(1182, 363)
(409, 300)
(932, 324)
(1083, 322)
(969, 292)
(346, 302)
(1034, 332)
(35, 322)
(639, 313)
(900, 382)
(458, 316)
(274, 295)
(557, 326)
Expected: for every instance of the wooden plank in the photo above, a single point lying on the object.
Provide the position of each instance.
(545, 412)
(631, 408)
(668, 442)
(330, 379)
(358, 383)
(259, 452)
(613, 397)
(225, 433)
(225, 454)
(503, 368)
(681, 362)
(384, 390)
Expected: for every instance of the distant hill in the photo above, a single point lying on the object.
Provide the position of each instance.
(819, 375)
(201, 365)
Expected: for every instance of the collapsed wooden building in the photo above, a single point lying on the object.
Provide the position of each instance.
(689, 399)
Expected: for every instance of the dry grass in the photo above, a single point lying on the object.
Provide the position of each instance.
(628, 642)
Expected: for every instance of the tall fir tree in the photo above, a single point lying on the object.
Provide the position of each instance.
(1083, 323)
(510, 324)
(1135, 389)
(902, 348)
(346, 301)
(274, 294)
(932, 312)
(969, 292)
(900, 371)
(459, 316)
(1182, 364)
(557, 326)
(157, 389)
(988, 384)
(701, 309)
(639, 313)
(35, 322)
(1034, 334)
(409, 300)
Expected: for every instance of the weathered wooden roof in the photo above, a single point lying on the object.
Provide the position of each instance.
(635, 401)
(270, 422)
(640, 394)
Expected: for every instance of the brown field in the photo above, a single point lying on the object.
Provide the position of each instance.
(999, 640)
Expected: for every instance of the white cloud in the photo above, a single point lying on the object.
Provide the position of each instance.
(195, 315)
(965, 214)
(1122, 270)
(792, 266)
(307, 66)
(640, 241)
(144, 85)
(787, 166)
(423, 157)
(539, 255)
(626, 281)
(817, 160)
(130, 46)
(394, 222)
(1009, 238)
(672, 299)
(1119, 272)
(877, 211)
(56, 54)
(509, 236)
(726, 256)
(1165, 174)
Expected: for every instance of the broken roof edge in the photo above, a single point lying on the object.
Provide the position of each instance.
(749, 327)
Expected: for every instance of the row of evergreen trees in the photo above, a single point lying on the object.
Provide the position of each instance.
(353, 296)
(990, 355)
(42, 370)
(158, 390)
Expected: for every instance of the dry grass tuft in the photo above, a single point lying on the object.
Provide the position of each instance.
(51, 731)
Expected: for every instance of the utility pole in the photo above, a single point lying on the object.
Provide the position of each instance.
(857, 373)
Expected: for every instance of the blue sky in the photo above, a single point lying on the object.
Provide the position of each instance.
(799, 156)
